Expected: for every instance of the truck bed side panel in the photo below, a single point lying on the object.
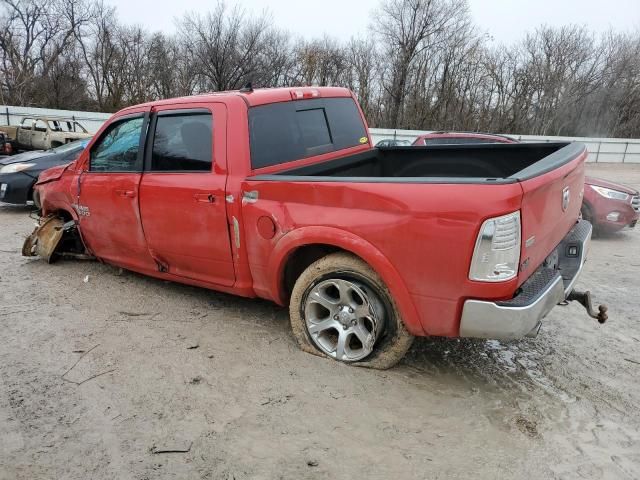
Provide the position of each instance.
(427, 232)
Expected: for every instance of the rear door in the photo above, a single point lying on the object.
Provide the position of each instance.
(182, 193)
(108, 198)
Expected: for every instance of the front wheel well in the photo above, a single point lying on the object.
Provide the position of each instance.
(64, 214)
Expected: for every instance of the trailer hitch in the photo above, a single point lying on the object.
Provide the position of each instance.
(584, 299)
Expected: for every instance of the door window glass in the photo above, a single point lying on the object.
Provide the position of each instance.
(117, 150)
(40, 126)
(183, 142)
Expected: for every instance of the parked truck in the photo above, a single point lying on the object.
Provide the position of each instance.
(43, 133)
(277, 193)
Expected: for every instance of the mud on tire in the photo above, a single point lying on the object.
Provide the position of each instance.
(391, 344)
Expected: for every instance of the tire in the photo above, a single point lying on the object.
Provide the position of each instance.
(369, 320)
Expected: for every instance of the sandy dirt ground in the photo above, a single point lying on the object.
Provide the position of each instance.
(218, 381)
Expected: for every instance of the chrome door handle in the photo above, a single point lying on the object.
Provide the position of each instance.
(205, 197)
(126, 193)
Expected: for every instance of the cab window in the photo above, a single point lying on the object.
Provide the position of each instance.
(182, 142)
(40, 126)
(117, 149)
(288, 131)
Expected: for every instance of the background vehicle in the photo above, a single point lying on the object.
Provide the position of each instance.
(610, 206)
(19, 173)
(276, 193)
(393, 142)
(6, 145)
(43, 133)
(460, 138)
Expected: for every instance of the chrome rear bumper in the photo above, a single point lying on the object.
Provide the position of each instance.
(548, 286)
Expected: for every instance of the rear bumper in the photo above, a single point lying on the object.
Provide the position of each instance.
(549, 285)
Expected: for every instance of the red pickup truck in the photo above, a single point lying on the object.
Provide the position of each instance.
(277, 193)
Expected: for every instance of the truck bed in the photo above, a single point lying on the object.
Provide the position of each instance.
(480, 163)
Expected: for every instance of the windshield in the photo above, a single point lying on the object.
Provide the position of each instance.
(71, 146)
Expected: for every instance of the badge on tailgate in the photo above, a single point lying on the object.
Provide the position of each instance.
(566, 197)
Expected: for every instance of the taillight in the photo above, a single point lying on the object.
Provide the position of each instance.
(300, 94)
(497, 252)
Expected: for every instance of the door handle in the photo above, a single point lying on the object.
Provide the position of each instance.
(126, 193)
(205, 197)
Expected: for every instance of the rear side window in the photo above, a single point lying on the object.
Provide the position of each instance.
(288, 131)
(183, 142)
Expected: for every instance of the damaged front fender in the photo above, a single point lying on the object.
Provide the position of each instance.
(47, 239)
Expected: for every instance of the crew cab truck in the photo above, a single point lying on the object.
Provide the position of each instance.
(277, 193)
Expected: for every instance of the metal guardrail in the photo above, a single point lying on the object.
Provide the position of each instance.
(601, 150)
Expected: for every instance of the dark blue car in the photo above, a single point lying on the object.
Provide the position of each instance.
(19, 173)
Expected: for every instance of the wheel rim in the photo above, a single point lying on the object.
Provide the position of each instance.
(344, 318)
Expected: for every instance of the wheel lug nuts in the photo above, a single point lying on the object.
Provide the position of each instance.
(353, 322)
(350, 310)
(335, 317)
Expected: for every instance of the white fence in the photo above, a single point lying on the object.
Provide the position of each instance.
(604, 150)
(92, 121)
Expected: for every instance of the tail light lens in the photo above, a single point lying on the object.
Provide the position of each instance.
(497, 253)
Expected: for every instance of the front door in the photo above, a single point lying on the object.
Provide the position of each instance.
(25, 131)
(108, 200)
(39, 135)
(182, 193)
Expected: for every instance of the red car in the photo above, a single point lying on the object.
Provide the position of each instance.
(610, 206)
(277, 193)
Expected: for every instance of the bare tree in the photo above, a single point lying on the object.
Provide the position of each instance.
(34, 34)
(407, 28)
(424, 65)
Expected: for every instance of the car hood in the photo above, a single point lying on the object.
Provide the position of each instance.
(599, 182)
(51, 174)
(24, 157)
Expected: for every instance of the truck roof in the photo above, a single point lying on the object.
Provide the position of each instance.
(258, 96)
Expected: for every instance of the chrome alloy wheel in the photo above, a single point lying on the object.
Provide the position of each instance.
(344, 319)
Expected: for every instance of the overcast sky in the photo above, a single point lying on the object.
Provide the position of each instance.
(504, 20)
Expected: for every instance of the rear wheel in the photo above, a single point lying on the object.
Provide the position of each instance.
(340, 308)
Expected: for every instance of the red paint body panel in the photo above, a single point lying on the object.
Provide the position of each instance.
(418, 237)
(113, 230)
(543, 219)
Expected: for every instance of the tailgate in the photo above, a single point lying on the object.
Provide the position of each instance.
(552, 196)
